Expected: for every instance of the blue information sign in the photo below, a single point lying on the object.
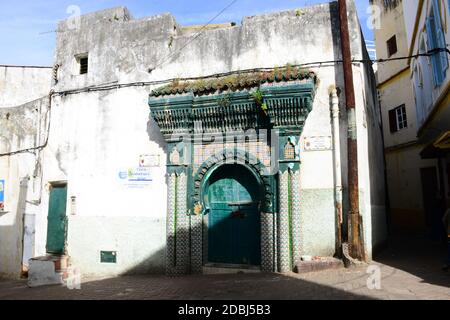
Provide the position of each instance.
(2, 194)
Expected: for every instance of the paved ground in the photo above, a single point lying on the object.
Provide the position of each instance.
(410, 269)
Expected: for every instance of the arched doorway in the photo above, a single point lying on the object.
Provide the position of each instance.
(232, 196)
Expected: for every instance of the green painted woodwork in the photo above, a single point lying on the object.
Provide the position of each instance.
(291, 244)
(265, 182)
(175, 221)
(108, 257)
(233, 196)
(288, 105)
(57, 220)
(234, 220)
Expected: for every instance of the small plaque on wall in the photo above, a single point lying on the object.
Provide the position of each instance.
(323, 143)
(149, 160)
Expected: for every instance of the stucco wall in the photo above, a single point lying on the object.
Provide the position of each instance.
(21, 128)
(403, 167)
(392, 23)
(19, 85)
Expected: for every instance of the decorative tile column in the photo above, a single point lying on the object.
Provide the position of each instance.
(177, 226)
(182, 235)
(296, 212)
(196, 243)
(284, 237)
(171, 213)
(268, 259)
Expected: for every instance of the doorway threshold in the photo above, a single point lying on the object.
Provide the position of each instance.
(221, 268)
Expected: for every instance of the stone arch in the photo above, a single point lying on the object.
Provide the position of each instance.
(243, 158)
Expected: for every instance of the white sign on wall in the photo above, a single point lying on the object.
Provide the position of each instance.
(149, 160)
(136, 178)
(317, 143)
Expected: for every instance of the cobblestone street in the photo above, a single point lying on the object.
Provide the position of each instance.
(406, 274)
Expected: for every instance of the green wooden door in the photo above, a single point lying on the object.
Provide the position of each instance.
(234, 219)
(56, 230)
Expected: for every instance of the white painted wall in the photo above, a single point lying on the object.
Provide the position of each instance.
(21, 128)
(410, 12)
(19, 85)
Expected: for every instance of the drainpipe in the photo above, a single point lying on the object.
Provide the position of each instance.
(353, 185)
(337, 169)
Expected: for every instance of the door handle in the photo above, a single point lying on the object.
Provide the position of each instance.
(241, 204)
(238, 215)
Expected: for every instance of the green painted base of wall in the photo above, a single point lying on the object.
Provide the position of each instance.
(138, 241)
(317, 222)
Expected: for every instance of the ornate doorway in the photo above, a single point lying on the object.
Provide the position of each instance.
(233, 168)
(232, 197)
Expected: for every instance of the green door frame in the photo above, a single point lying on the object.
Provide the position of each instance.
(206, 205)
(57, 219)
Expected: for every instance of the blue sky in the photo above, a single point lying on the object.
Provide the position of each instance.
(26, 26)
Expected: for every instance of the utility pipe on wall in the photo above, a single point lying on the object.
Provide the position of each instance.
(337, 168)
(354, 233)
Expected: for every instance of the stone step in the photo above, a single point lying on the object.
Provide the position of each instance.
(318, 264)
(48, 270)
(61, 262)
(210, 269)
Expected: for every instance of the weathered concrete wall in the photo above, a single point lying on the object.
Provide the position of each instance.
(21, 128)
(94, 135)
(19, 85)
(404, 179)
(392, 22)
(93, 138)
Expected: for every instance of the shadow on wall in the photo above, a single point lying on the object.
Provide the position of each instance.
(155, 263)
(11, 236)
(154, 133)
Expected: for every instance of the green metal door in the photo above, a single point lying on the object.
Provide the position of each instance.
(56, 230)
(234, 219)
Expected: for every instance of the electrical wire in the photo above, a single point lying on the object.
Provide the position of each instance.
(202, 30)
(109, 86)
(47, 135)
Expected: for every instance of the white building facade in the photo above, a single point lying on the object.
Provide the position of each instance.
(428, 36)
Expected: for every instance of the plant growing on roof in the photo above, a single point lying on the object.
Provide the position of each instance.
(224, 101)
(298, 12)
(259, 100)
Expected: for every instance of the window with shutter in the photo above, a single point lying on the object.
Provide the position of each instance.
(84, 63)
(398, 119)
(393, 121)
(436, 41)
(441, 43)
